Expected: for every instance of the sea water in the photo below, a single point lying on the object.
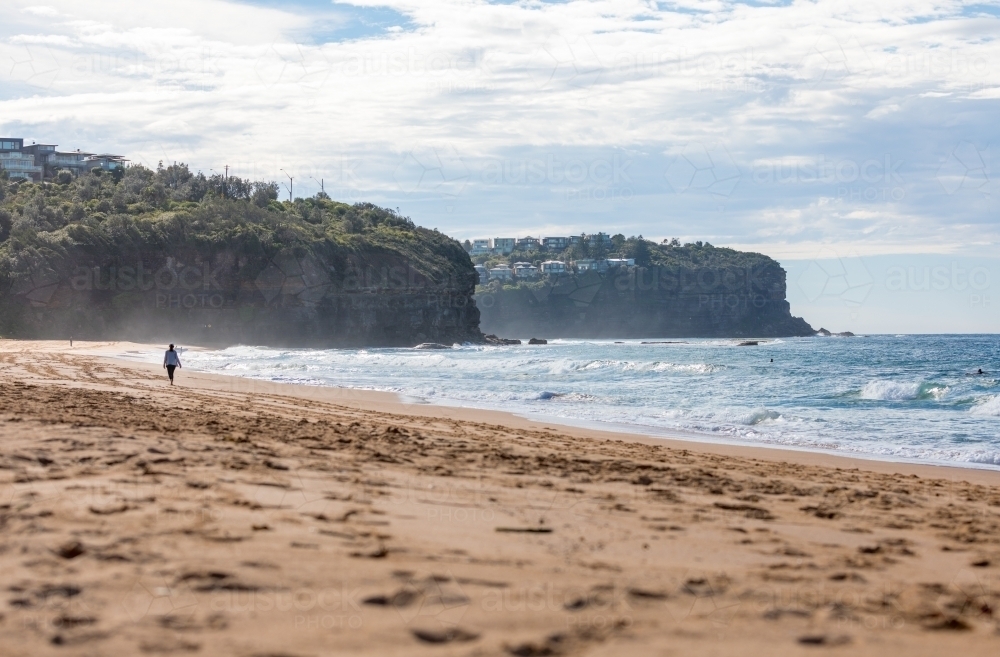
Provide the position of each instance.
(892, 397)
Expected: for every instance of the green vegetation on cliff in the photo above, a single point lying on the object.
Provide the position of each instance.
(670, 254)
(107, 216)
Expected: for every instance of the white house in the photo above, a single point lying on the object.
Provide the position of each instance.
(501, 272)
(525, 270)
(553, 267)
(479, 247)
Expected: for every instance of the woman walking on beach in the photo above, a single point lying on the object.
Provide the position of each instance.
(171, 361)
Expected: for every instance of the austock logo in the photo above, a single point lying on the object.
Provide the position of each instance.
(842, 277)
(176, 284)
(287, 279)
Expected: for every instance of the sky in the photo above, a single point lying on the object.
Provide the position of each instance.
(850, 140)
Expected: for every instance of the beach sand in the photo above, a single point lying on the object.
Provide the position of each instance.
(226, 516)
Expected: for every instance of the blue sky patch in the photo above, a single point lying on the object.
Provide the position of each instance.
(337, 21)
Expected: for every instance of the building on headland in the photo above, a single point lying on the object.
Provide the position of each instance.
(504, 245)
(501, 272)
(105, 162)
(482, 274)
(528, 244)
(40, 161)
(507, 245)
(555, 244)
(17, 163)
(76, 162)
(525, 270)
(554, 267)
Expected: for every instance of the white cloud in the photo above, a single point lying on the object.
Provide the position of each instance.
(41, 10)
(831, 121)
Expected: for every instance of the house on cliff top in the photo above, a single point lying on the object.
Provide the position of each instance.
(40, 161)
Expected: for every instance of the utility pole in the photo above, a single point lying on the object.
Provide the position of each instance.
(290, 186)
(320, 181)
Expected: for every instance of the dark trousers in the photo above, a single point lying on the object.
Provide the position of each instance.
(170, 371)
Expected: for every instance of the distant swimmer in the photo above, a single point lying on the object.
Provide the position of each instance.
(978, 372)
(171, 361)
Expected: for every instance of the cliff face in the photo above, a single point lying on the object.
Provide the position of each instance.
(299, 297)
(227, 271)
(738, 299)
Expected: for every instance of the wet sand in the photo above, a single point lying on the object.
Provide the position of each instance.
(225, 516)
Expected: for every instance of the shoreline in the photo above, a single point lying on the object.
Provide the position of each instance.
(375, 401)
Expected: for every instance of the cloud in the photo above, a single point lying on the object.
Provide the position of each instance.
(41, 10)
(803, 123)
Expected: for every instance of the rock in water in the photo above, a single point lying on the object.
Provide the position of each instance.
(537, 341)
(492, 339)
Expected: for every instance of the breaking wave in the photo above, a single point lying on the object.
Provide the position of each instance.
(989, 407)
(899, 391)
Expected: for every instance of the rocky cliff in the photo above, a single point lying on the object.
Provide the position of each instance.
(99, 258)
(694, 291)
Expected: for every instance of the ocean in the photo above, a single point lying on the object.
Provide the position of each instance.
(905, 397)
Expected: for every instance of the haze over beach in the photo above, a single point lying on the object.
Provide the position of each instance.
(474, 327)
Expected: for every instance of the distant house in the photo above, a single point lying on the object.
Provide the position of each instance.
(527, 244)
(74, 162)
(479, 247)
(555, 244)
(16, 162)
(585, 264)
(482, 274)
(504, 245)
(553, 267)
(40, 152)
(40, 161)
(575, 239)
(600, 238)
(620, 262)
(502, 273)
(525, 270)
(105, 162)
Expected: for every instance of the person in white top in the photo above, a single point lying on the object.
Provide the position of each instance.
(171, 361)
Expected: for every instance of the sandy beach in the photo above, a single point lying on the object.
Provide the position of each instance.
(226, 516)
